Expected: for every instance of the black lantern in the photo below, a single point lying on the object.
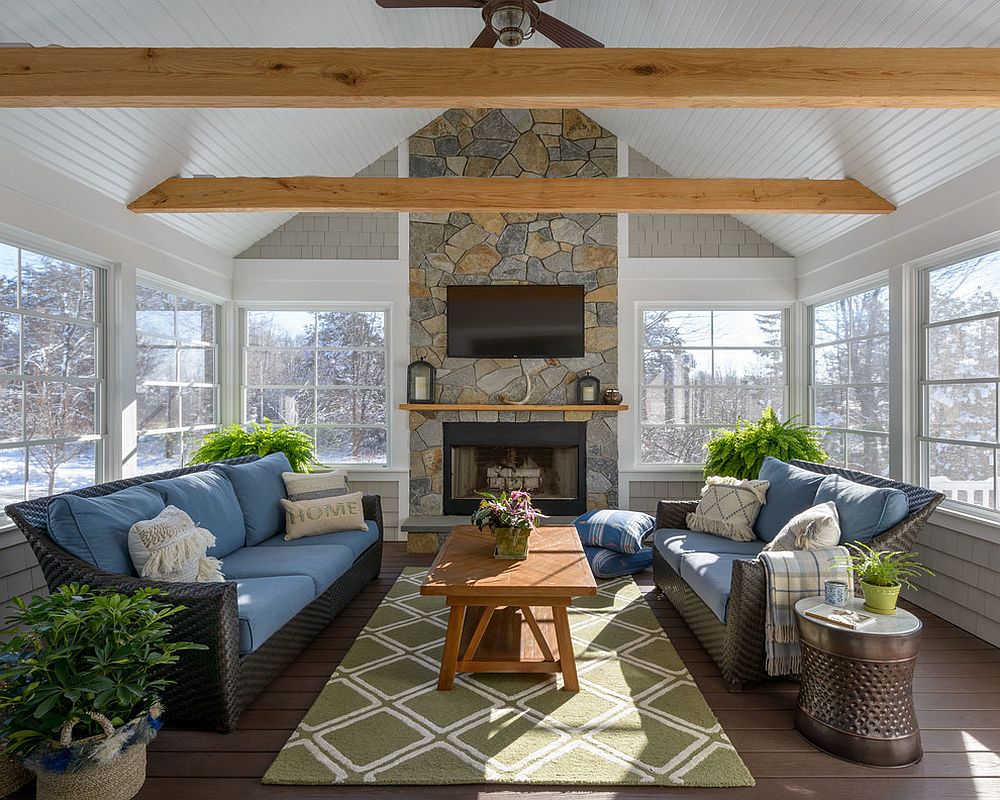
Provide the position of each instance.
(420, 381)
(588, 390)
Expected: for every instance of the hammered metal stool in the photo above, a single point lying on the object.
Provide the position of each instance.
(856, 696)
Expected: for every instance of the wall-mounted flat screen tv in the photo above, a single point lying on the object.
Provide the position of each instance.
(515, 321)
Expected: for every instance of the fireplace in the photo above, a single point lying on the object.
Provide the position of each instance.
(547, 459)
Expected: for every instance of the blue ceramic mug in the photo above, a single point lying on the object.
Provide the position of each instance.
(836, 593)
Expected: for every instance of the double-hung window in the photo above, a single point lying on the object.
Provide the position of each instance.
(51, 374)
(849, 391)
(704, 369)
(324, 371)
(960, 381)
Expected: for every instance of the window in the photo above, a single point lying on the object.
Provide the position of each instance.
(51, 387)
(849, 391)
(702, 370)
(960, 380)
(176, 376)
(324, 371)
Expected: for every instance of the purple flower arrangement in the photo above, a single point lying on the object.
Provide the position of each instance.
(505, 510)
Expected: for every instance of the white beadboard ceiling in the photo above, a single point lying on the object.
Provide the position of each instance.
(122, 153)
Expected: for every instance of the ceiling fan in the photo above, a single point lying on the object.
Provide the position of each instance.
(509, 22)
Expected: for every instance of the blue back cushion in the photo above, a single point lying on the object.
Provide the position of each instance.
(621, 531)
(864, 511)
(791, 492)
(209, 499)
(95, 529)
(259, 487)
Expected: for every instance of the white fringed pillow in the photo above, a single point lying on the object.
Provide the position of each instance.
(170, 547)
(728, 508)
(816, 528)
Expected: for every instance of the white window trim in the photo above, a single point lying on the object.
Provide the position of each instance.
(354, 305)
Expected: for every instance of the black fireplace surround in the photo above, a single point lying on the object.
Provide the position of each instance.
(548, 458)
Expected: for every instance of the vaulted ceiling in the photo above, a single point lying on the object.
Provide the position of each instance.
(121, 152)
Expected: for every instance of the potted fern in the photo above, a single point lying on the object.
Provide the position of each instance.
(740, 452)
(259, 440)
(882, 574)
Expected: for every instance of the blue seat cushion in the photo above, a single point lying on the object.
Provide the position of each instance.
(95, 529)
(322, 563)
(605, 563)
(264, 605)
(673, 543)
(792, 490)
(710, 576)
(357, 541)
(258, 487)
(864, 511)
(612, 529)
(209, 499)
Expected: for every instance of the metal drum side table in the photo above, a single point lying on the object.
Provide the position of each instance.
(856, 696)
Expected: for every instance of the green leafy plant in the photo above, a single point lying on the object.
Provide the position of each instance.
(884, 568)
(259, 440)
(740, 452)
(512, 510)
(75, 652)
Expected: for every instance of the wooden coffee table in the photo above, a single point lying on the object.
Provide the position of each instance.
(509, 616)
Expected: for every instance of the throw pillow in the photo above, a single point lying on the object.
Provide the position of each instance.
(790, 491)
(728, 508)
(815, 528)
(621, 531)
(323, 515)
(315, 485)
(606, 563)
(170, 547)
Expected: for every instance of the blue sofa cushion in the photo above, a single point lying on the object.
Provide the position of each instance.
(865, 511)
(606, 563)
(95, 529)
(258, 487)
(673, 543)
(209, 499)
(357, 541)
(264, 605)
(710, 575)
(622, 531)
(322, 563)
(792, 490)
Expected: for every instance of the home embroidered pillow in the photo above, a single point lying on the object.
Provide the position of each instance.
(620, 531)
(315, 485)
(170, 547)
(728, 508)
(816, 528)
(323, 515)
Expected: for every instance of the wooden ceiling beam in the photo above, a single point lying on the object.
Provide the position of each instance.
(545, 195)
(500, 78)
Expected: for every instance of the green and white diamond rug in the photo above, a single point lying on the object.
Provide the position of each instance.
(638, 718)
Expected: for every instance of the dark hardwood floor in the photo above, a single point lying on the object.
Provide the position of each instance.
(957, 695)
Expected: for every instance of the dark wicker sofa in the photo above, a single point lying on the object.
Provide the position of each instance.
(214, 686)
(737, 645)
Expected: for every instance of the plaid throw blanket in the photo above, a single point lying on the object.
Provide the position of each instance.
(792, 575)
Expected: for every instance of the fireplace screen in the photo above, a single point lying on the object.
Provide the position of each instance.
(548, 473)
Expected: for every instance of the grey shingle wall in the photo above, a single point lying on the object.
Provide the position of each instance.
(20, 575)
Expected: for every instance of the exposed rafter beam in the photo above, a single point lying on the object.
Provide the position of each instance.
(501, 78)
(570, 195)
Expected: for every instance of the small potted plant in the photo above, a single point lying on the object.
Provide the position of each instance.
(511, 518)
(882, 574)
(79, 689)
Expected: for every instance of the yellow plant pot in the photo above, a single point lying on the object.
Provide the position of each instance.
(880, 599)
(512, 543)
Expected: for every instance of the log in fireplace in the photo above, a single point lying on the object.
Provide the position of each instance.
(547, 459)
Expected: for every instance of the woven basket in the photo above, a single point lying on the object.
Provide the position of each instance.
(12, 776)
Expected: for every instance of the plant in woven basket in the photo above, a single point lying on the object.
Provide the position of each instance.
(740, 452)
(883, 573)
(80, 685)
(259, 440)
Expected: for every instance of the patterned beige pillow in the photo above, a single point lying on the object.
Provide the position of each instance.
(816, 528)
(170, 547)
(323, 515)
(728, 508)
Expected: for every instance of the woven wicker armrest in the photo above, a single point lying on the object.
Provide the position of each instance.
(673, 513)
(372, 507)
(745, 621)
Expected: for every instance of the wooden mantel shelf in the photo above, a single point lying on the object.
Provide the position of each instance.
(504, 407)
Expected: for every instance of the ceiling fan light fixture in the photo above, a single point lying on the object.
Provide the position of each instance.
(513, 22)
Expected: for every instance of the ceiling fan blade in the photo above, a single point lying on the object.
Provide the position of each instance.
(486, 38)
(430, 3)
(562, 34)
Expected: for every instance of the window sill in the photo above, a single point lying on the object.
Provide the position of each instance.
(981, 526)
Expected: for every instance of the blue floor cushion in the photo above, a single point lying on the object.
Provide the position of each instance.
(323, 563)
(264, 605)
(209, 499)
(605, 563)
(710, 575)
(614, 529)
(673, 543)
(791, 491)
(358, 541)
(258, 487)
(864, 511)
